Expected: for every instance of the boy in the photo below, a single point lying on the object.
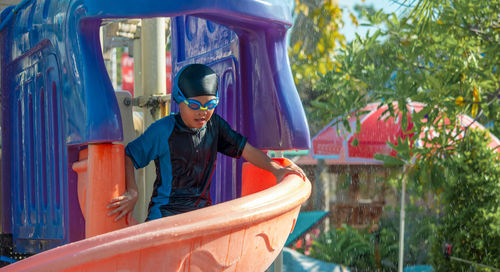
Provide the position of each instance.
(184, 148)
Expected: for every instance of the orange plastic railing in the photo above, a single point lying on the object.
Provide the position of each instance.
(244, 234)
(254, 179)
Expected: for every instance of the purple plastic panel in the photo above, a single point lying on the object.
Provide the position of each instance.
(75, 220)
(227, 178)
(271, 111)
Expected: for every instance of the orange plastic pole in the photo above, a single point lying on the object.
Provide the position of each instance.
(101, 177)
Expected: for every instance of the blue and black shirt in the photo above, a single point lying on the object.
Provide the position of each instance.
(185, 161)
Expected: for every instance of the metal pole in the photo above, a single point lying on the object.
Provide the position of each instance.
(474, 263)
(278, 262)
(402, 224)
(153, 63)
(114, 76)
(141, 207)
(321, 193)
(153, 59)
(136, 53)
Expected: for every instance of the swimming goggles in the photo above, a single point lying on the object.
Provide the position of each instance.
(195, 105)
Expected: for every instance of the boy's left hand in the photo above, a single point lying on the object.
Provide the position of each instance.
(291, 169)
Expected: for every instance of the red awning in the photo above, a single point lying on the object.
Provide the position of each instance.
(376, 130)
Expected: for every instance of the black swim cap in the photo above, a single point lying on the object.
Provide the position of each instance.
(197, 79)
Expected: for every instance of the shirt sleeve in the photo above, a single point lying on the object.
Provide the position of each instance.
(149, 146)
(230, 142)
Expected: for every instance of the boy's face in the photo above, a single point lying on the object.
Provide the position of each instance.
(196, 118)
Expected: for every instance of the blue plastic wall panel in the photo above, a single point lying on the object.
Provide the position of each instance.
(38, 168)
(5, 212)
(93, 113)
(91, 110)
(56, 96)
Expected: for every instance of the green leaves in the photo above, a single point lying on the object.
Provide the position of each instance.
(471, 204)
(389, 160)
(346, 246)
(403, 153)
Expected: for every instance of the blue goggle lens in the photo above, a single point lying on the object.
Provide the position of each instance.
(195, 105)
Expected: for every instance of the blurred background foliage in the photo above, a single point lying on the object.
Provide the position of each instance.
(444, 54)
(470, 221)
(313, 40)
(376, 249)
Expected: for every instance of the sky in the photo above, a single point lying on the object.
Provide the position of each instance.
(349, 29)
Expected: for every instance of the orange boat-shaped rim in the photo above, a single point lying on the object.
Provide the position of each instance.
(244, 234)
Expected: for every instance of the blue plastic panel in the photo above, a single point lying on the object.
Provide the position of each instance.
(56, 96)
(36, 146)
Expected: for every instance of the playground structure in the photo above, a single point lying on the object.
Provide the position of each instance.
(229, 236)
(59, 109)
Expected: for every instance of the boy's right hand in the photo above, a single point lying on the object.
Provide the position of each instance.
(123, 204)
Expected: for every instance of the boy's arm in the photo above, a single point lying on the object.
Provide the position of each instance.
(126, 202)
(260, 159)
